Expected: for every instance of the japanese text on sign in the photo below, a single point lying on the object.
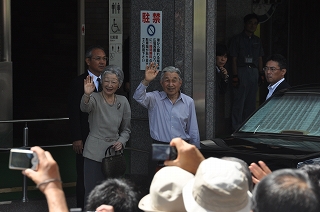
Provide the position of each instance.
(151, 38)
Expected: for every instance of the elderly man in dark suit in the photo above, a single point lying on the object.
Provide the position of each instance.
(96, 61)
(275, 69)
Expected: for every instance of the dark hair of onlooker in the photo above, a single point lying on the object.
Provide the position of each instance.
(313, 170)
(245, 170)
(280, 59)
(249, 17)
(120, 193)
(221, 49)
(285, 190)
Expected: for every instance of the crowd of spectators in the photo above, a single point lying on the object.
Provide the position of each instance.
(190, 182)
(193, 183)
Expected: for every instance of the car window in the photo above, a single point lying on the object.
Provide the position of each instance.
(291, 113)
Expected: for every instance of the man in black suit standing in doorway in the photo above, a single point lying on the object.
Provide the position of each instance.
(275, 69)
(96, 61)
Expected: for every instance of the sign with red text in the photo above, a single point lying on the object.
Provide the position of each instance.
(151, 38)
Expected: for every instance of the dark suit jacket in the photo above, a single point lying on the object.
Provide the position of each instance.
(79, 125)
(281, 86)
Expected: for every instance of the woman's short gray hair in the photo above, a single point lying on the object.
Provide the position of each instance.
(170, 69)
(113, 69)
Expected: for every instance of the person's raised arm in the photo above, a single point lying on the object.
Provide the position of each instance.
(88, 88)
(259, 171)
(189, 157)
(48, 181)
(150, 73)
(224, 72)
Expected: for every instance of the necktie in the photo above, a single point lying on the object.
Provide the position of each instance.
(99, 85)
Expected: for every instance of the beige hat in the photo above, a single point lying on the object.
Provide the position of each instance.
(218, 186)
(166, 190)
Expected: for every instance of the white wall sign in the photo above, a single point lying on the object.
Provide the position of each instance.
(115, 32)
(151, 38)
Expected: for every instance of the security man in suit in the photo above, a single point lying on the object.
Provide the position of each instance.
(96, 61)
(275, 69)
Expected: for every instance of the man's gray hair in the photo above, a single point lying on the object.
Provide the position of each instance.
(91, 48)
(170, 69)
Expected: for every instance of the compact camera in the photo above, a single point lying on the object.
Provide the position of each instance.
(21, 159)
(164, 152)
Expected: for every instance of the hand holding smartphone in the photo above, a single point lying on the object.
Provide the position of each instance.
(162, 152)
(21, 159)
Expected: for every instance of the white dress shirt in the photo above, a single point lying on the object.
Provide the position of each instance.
(272, 88)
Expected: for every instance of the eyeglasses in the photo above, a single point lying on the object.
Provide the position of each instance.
(272, 69)
(100, 58)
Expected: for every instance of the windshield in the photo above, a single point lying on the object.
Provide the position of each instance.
(291, 113)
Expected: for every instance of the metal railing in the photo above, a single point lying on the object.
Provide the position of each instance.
(25, 144)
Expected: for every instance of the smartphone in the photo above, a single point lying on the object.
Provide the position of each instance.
(164, 152)
(21, 159)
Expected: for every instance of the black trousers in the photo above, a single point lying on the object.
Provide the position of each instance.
(92, 176)
(80, 181)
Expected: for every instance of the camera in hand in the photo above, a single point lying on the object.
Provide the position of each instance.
(163, 152)
(21, 159)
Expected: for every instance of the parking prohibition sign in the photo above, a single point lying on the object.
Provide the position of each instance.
(151, 30)
(151, 38)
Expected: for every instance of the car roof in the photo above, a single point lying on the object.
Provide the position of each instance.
(310, 88)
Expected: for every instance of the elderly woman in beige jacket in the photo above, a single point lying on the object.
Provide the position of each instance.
(109, 121)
